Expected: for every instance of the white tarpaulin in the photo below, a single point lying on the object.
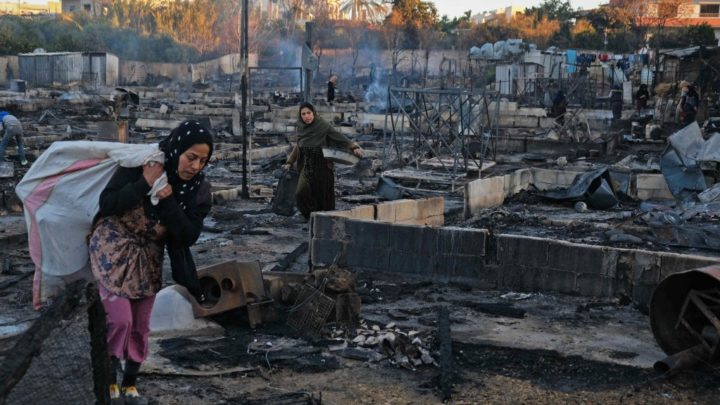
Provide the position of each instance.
(60, 195)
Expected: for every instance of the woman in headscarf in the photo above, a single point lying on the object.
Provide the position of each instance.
(130, 234)
(316, 186)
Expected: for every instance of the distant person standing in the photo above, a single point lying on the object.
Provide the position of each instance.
(616, 102)
(689, 104)
(332, 82)
(559, 107)
(12, 128)
(641, 97)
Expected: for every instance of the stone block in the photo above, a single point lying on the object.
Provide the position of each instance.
(561, 281)
(582, 258)
(406, 210)
(593, 285)
(430, 207)
(327, 226)
(465, 241)
(373, 258)
(388, 211)
(522, 250)
(323, 252)
(368, 234)
(652, 186)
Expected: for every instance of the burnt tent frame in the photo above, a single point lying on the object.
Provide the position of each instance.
(433, 123)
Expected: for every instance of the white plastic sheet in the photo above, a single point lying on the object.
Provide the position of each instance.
(60, 195)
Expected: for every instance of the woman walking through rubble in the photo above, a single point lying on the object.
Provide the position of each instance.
(130, 233)
(316, 186)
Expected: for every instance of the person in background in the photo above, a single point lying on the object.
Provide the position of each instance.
(641, 97)
(616, 101)
(12, 128)
(559, 107)
(129, 236)
(332, 83)
(316, 186)
(689, 102)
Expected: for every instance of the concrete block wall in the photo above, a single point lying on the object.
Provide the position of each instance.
(491, 192)
(358, 240)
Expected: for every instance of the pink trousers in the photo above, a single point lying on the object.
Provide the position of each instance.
(128, 325)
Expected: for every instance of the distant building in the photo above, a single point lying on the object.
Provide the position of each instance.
(92, 7)
(22, 8)
(506, 14)
(678, 13)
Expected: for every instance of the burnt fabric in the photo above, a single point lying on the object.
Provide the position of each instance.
(316, 186)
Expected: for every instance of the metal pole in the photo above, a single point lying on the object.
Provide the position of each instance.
(308, 71)
(244, 92)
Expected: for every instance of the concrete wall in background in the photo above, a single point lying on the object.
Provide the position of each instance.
(407, 248)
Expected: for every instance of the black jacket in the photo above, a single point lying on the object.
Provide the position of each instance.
(128, 187)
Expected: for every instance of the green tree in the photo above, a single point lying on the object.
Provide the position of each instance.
(552, 9)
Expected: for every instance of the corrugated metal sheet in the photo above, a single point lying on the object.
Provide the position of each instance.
(44, 69)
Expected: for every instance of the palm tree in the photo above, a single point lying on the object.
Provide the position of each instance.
(370, 10)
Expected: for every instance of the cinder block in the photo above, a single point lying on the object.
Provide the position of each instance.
(374, 258)
(466, 241)
(520, 278)
(582, 258)
(324, 251)
(410, 263)
(365, 212)
(386, 211)
(484, 193)
(434, 221)
(522, 250)
(593, 285)
(517, 181)
(641, 295)
(471, 266)
(406, 210)
(561, 281)
(430, 207)
(327, 226)
(414, 239)
(368, 234)
(646, 267)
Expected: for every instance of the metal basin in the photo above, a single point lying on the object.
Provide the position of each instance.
(340, 156)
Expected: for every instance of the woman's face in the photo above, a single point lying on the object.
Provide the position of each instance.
(307, 115)
(193, 160)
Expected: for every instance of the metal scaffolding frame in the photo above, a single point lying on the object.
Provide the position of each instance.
(423, 124)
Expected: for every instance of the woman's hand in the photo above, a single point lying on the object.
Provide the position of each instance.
(164, 192)
(152, 171)
(359, 152)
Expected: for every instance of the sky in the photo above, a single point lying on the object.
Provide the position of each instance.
(455, 8)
